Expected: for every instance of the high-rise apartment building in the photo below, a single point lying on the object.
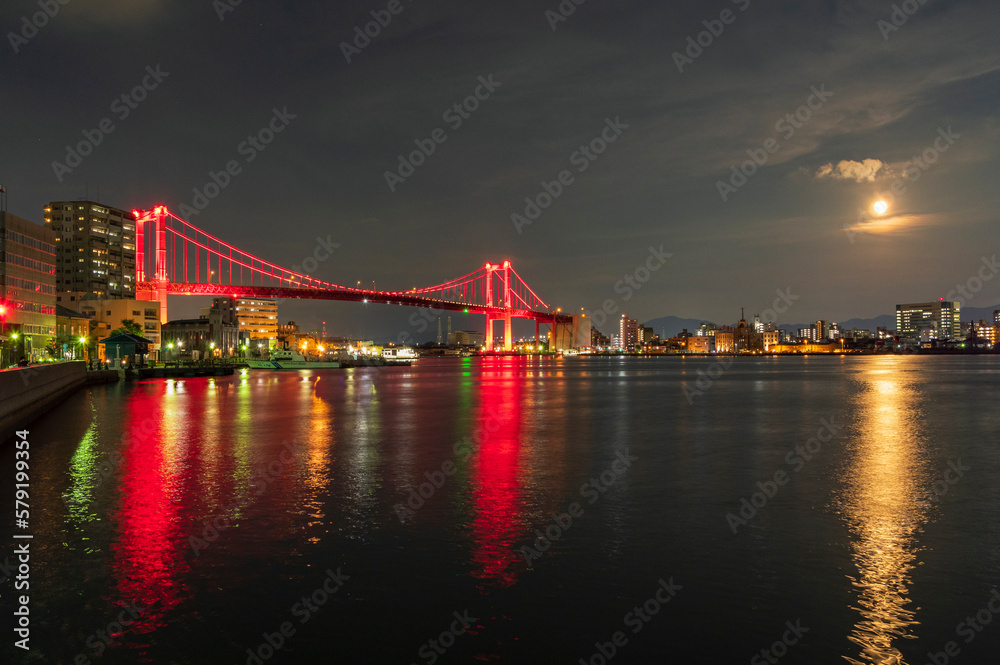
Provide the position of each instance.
(27, 287)
(95, 247)
(628, 333)
(935, 320)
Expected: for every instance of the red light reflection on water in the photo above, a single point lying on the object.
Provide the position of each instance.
(148, 552)
(497, 496)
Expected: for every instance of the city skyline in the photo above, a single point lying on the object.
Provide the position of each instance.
(618, 128)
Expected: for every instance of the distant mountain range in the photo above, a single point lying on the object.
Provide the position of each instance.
(670, 326)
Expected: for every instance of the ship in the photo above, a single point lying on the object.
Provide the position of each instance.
(290, 360)
(399, 355)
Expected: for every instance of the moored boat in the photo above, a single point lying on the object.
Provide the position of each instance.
(399, 355)
(290, 360)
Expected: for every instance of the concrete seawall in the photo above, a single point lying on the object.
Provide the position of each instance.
(27, 393)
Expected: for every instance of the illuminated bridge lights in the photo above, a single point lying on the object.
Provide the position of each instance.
(182, 259)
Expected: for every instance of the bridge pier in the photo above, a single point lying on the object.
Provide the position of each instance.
(508, 332)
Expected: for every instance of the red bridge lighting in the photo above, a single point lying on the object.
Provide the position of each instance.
(182, 259)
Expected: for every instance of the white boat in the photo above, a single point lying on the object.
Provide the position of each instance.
(399, 355)
(288, 359)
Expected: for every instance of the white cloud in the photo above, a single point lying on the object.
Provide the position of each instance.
(863, 171)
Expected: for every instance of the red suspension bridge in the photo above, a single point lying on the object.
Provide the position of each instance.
(173, 257)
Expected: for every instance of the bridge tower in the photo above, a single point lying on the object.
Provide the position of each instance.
(506, 302)
(159, 290)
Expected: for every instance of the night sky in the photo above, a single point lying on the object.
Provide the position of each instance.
(884, 87)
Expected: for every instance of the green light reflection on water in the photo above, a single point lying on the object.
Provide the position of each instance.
(87, 473)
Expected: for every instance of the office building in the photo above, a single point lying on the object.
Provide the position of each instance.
(95, 247)
(930, 320)
(27, 288)
(256, 318)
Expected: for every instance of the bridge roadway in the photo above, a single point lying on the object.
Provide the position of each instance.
(352, 295)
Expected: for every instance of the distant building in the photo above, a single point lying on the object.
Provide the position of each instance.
(996, 316)
(855, 334)
(706, 330)
(770, 339)
(822, 330)
(187, 335)
(628, 333)
(96, 250)
(700, 344)
(27, 287)
(741, 339)
(821, 346)
(678, 344)
(226, 308)
(599, 340)
(290, 336)
(807, 333)
(930, 320)
(987, 331)
(466, 338)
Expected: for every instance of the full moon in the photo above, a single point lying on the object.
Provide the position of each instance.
(880, 207)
